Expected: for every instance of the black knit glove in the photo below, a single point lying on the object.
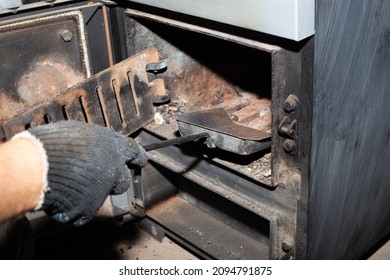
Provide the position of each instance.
(86, 163)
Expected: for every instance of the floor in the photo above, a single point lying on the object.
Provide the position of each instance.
(383, 253)
(127, 242)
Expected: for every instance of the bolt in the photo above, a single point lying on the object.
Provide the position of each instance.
(233, 118)
(67, 35)
(290, 104)
(286, 247)
(289, 146)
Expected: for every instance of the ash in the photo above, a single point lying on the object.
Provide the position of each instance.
(169, 111)
(165, 124)
(261, 169)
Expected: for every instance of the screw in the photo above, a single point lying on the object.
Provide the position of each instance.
(289, 146)
(67, 35)
(290, 104)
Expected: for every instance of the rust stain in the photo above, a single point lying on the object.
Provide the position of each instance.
(39, 84)
(71, 96)
(80, 101)
(45, 80)
(202, 88)
(38, 118)
(9, 107)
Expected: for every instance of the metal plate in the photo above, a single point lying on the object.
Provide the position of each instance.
(214, 237)
(39, 58)
(119, 97)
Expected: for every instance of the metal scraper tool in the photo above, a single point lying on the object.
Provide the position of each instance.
(219, 130)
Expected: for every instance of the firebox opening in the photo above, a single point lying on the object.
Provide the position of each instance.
(206, 72)
(210, 222)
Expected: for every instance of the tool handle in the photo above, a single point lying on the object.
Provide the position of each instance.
(175, 141)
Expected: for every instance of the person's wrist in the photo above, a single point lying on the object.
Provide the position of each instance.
(33, 160)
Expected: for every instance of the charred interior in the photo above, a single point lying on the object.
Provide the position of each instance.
(205, 72)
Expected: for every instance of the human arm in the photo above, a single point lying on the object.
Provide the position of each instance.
(22, 173)
(85, 163)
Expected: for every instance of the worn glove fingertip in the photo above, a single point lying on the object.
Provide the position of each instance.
(61, 217)
(141, 159)
(133, 153)
(123, 181)
(82, 221)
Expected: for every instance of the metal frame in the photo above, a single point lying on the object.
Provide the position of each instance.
(285, 206)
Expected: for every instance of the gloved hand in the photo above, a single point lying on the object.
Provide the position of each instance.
(86, 163)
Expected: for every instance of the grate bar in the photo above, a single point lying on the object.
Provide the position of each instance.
(120, 97)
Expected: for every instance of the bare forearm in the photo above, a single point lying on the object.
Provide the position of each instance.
(21, 171)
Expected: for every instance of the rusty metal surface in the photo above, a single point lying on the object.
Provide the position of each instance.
(204, 72)
(40, 57)
(214, 237)
(192, 164)
(119, 97)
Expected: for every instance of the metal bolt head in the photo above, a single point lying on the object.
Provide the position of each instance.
(66, 35)
(286, 247)
(291, 103)
(233, 118)
(289, 146)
